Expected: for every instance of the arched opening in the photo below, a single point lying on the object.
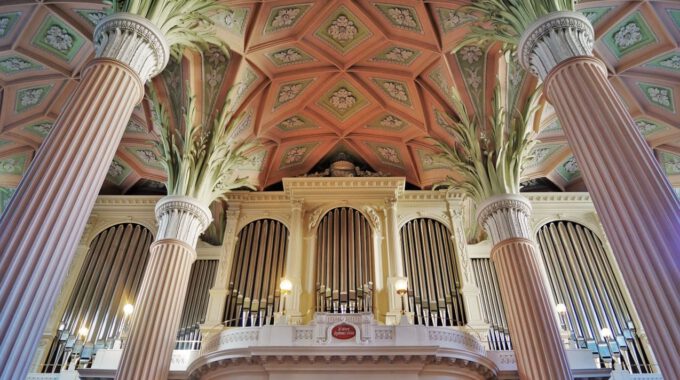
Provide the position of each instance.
(582, 278)
(257, 268)
(432, 269)
(344, 262)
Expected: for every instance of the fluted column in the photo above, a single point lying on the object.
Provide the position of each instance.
(148, 350)
(636, 203)
(531, 317)
(43, 222)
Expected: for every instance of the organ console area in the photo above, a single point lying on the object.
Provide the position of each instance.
(344, 270)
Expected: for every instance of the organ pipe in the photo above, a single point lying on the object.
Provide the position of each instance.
(253, 295)
(431, 267)
(344, 264)
(109, 278)
(582, 278)
(494, 313)
(201, 280)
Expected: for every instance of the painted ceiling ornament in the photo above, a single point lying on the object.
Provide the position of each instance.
(288, 55)
(671, 63)
(216, 59)
(473, 78)
(293, 122)
(59, 38)
(471, 54)
(288, 92)
(659, 96)
(295, 155)
(571, 166)
(450, 19)
(148, 156)
(10, 165)
(539, 154)
(342, 29)
(93, 16)
(395, 90)
(645, 127)
(15, 64)
(42, 128)
(399, 54)
(285, 17)
(31, 97)
(402, 17)
(389, 154)
(628, 35)
(391, 122)
(230, 19)
(343, 99)
(116, 169)
(4, 23)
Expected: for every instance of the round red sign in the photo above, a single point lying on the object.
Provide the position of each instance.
(343, 331)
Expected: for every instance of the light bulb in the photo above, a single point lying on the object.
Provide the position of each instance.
(606, 333)
(401, 285)
(286, 285)
(561, 308)
(128, 309)
(83, 331)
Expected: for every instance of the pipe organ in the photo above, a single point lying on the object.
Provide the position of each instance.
(196, 304)
(344, 262)
(253, 295)
(492, 304)
(582, 278)
(432, 269)
(110, 278)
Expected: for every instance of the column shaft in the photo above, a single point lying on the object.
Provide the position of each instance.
(43, 223)
(538, 347)
(149, 349)
(636, 204)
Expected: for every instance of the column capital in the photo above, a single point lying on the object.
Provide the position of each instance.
(554, 38)
(181, 218)
(134, 41)
(505, 217)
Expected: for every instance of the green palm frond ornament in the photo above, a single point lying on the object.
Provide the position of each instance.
(202, 161)
(489, 163)
(504, 21)
(184, 23)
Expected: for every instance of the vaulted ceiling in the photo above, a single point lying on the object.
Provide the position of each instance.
(315, 78)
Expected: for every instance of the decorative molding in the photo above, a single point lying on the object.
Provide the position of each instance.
(505, 217)
(134, 41)
(554, 38)
(181, 218)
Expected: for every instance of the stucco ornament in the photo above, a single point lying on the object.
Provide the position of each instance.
(59, 38)
(289, 92)
(628, 35)
(288, 56)
(31, 97)
(645, 127)
(292, 123)
(396, 91)
(343, 99)
(389, 154)
(571, 166)
(15, 64)
(390, 121)
(672, 62)
(471, 54)
(285, 17)
(399, 54)
(342, 29)
(659, 95)
(402, 17)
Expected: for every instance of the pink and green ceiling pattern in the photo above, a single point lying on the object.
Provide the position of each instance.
(308, 77)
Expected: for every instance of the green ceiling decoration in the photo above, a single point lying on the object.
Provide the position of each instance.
(401, 17)
(15, 64)
(7, 21)
(569, 169)
(541, 153)
(629, 35)
(13, 165)
(670, 62)
(135, 127)
(670, 162)
(39, 129)
(93, 16)
(437, 76)
(342, 30)
(472, 63)
(397, 55)
(59, 39)
(388, 122)
(147, 156)
(387, 154)
(5, 196)
(658, 95)
(595, 14)
(254, 161)
(449, 19)
(28, 98)
(444, 121)
(395, 89)
(289, 56)
(430, 161)
(234, 20)
(675, 16)
(285, 17)
(648, 127)
(343, 100)
(295, 123)
(117, 172)
(289, 91)
(215, 64)
(296, 155)
(242, 123)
